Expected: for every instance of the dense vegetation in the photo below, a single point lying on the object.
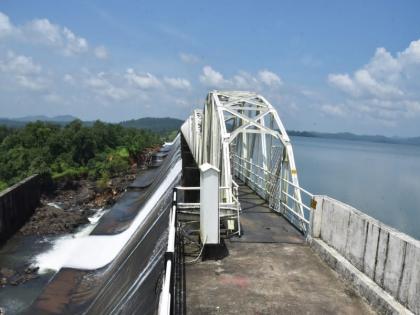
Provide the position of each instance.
(99, 151)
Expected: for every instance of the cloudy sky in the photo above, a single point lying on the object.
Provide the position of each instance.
(326, 66)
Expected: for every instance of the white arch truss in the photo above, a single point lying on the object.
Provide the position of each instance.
(241, 134)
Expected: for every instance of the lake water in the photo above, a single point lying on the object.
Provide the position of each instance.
(382, 180)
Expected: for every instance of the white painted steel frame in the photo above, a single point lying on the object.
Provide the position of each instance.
(245, 124)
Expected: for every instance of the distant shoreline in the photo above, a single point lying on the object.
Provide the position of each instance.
(353, 137)
(169, 124)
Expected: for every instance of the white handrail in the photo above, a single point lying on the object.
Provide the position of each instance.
(247, 169)
(165, 295)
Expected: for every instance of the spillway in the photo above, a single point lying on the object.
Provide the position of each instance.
(117, 267)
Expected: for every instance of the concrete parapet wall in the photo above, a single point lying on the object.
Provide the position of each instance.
(389, 258)
(17, 204)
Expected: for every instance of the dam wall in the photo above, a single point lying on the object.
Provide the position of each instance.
(17, 204)
(387, 257)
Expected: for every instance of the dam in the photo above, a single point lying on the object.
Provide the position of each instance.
(221, 225)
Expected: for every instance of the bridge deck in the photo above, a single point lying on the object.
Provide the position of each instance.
(269, 270)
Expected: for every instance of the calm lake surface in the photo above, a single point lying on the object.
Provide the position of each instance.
(382, 180)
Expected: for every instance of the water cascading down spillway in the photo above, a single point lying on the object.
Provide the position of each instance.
(117, 268)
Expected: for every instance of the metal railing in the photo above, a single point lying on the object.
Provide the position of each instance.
(231, 210)
(166, 293)
(283, 196)
(228, 210)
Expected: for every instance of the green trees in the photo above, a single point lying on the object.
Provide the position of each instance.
(4, 132)
(100, 151)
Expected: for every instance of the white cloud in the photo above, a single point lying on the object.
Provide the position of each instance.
(68, 78)
(19, 64)
(368, 84)
(143, 81)
(24, 70)
(103, 86)
(386, 88)
(97, 81)
(333, 110)
(384, 64)
(413, 106)
(182, 103)
(43, 31)
(269, 78)
(177, 83)
(101, 52)
(211, 77)
(411, 55)
(31, 83)
(382, 77)
(242, 80)
(343, 82)
(5, 26)
(189, 58)
(53, 98)
(363, 84)
(73, 44)
(245, 81)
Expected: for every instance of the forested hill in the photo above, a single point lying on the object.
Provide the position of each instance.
(22, 121)
(10, 123)
(159, 125)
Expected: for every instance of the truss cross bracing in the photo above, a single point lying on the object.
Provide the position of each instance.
(241, 134)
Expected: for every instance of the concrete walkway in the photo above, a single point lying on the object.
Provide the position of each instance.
(269, 270)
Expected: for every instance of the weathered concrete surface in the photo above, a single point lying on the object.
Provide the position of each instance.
(17, 204)
(382, 301)
(268, 277)
(389, 258)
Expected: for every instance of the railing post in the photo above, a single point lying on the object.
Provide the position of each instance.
(316, 216)
(209, 204)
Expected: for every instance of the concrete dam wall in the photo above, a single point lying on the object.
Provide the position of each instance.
(387, 257)
(17, 204)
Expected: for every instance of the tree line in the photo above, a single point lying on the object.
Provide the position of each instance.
(100, 151)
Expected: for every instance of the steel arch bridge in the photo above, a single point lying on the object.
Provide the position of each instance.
(240, 133)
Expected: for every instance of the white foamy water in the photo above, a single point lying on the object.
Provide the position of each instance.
(168, 144)
(52, 204)
(90, 252)
(98, 214)
(63, 244)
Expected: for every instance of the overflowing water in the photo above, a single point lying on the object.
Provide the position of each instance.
(53, 204)
(98, 214)
(88, 252)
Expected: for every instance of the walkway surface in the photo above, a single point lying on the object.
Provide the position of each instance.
(269, 270)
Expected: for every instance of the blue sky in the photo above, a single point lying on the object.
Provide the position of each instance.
(325, 65)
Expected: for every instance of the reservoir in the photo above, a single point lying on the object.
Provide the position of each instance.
(380, 179)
